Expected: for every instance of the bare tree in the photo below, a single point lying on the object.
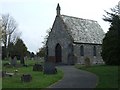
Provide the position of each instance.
(9, 26)
(0, 40)
(15, 36)
(0, 32)
(9, 30)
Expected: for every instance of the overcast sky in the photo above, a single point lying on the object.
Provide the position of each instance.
(35, 17)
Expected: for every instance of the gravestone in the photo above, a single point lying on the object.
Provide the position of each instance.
(49, 68)
(37, 67)
(14, 61)
(25, 65)
(26, 78)
(87, 62)
(6, 64)
(3, 73)
(9, 74)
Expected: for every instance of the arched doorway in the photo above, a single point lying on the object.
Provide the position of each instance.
(58, 53)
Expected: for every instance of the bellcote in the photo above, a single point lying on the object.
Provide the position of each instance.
(58, 9)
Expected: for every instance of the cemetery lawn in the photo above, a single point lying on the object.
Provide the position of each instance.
(107, 75)
(39, 80)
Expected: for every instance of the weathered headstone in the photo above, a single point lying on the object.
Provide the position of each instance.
(87, 62)
(14, 61)
(26, 78)
(6, 64)
(25, 65)
(37, 67)
(3, 73)
(49, 68)
(9, 74)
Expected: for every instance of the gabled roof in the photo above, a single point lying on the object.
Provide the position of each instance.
(83, 30)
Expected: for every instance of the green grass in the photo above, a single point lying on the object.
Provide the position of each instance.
(0, 82)
(39, 80)
(108, 75)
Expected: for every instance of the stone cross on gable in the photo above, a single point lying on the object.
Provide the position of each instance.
(58, 9)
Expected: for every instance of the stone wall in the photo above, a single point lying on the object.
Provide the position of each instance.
(59, 35)
(88, 52)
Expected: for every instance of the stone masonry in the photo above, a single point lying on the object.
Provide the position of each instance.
(68, 34)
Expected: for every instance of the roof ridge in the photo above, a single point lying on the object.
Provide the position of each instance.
(79, 18)
(85, 30)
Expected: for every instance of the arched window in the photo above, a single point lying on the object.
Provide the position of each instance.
(94, 51)
(82, 50)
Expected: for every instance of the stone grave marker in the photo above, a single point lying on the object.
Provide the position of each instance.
(49, 68)
(6, 64)
(14, 61)
(26, 78)
(3, 73)
(37, 67)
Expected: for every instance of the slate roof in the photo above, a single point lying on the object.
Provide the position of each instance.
(84, 30)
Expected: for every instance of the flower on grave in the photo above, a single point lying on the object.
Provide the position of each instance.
(16, 70)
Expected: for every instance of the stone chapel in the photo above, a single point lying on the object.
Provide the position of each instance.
(72, 39)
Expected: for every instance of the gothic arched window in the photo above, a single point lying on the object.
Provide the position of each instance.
(94, 51)
(82, 50)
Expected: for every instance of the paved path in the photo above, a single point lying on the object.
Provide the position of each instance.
(75, 78)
